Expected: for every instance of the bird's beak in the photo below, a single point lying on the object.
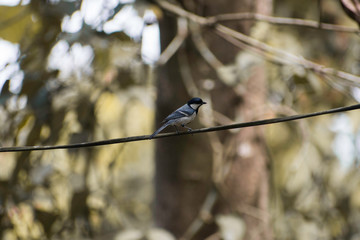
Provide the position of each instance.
(203, 102)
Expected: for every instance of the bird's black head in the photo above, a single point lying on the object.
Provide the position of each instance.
(195, 103)
(196, 100)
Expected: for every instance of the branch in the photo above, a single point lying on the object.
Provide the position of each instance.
(258, 46)
(202, 47)
(283, 56)
(175, 44)
(204, 216)
(197, 131)
(254, 16)
(280, 21)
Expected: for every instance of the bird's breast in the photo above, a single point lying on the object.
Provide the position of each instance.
(184, 120)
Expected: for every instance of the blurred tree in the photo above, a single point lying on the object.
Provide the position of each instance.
(185, 170)
(73, 77)
(77, 86)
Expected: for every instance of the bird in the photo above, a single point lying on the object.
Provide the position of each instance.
(181, 116)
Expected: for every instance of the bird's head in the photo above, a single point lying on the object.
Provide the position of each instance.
(195, 103)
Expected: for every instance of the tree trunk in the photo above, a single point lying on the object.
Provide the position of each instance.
(184, 164)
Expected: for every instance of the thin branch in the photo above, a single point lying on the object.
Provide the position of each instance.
(197, 131)
(240, 44)
(202, 47)
(175, 44)
(280, 21)
(254, 16)
(204, 215)
(285, 57)
(185, 73)
(357, 11)
(260, 47)
(181, 12)
(252, 211)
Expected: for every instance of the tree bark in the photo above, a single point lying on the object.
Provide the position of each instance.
(183, 164)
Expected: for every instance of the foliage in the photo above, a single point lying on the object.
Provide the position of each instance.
(315, 174)
(108, 93)
(77, 87)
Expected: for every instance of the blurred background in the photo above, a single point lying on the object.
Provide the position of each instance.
(75, 71)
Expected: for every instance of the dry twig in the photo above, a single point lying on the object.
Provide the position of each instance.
(254, 45)
(280, 21)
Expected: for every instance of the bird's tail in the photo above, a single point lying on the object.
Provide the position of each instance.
(159, 130)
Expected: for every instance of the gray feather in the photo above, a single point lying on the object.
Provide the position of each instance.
(180, 116)
(183, 111)
(159, 130)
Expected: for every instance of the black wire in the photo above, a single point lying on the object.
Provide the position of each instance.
(202, 130)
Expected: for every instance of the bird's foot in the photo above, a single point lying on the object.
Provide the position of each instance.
(188, 129)
(177, 131)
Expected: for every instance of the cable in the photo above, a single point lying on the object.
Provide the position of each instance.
(196, 131)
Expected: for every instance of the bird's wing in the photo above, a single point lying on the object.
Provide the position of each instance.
(183, 111)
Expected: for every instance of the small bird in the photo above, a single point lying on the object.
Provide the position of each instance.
(181, 116)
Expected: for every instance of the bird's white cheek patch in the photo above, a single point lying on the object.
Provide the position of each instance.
(194, 105)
